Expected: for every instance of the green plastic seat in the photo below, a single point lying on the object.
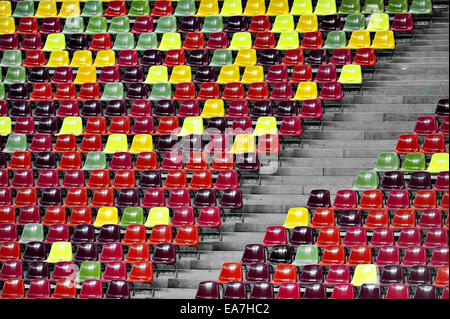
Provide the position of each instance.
(161, 91)
(350, 7)
(60, 251)
(96, 25)
(397, 6)
(95, 160)
(124, 41)
(2, 91)
(221, 58)
(306, 255)
(90, 270)
(388, 161)
(5, 125)
(15, 74)
(116, 143)
(373, 6)
(300, 7)
(335, 40)
(421, 7)
(11, 58)
(170, 41)
(185, 8)
(74, 25)
(166, 24)
(32, 232)
(366, 180)
(113, 91)
(147, 41)
(139, 8)
(92, 9)
(355, 22)
(378, 22)
(325, 7)
(132, 216)
(16, 143)
(414, 162)
(24, 9)
(212, 24)
(119, 25)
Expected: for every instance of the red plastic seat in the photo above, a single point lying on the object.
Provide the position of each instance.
(138, 253)
(258, 91)
(326, 73)
(331, 91)
(201, 180)
(436, 237)
(371, 199)
(410, 237)
(222, 162)
(194, 41)
(111, 252)
(115, 9)
(238, 108)
(311, 109)
(425, 199)
(167, 125)
(403, 22)
(389, 255)
(42, 92)
(70, 160)
(143, 24)
(338, 274)
(24, 125)
(285, 273)
(355, 236)
(312, 40)
(439, 257)
(183, 216)
(161, 234)
(232, 91)
(91, 143)
(13, 289)
(141, 108)
(328, 236)
(441, 279)
(301, 73)
(76, 197)
(65, 91)
(34, 58)
(175, 57)
(291, 126)
(277, 73)
(146, 161)
(74, 178)
(445, 202)
(264, 40)
(433, 143)
(65, 289)
(89, 91)
(54, 215)
(162, 8)
(425, 125)
(217, 40)
(275, 235)
(9, 250)
(430, 218)
(187, 236)
(398, 199)
(50, 25)
(99, 179)
(172, 160)
(23, 178)
(365, 57)
(134, 234)
(281, 91)
(100, 41)
(323, 217)
(407, 143)
(259, 24)
(398, 291)
(415, 256)
(28, 25)
(185, 91)
(102, 198)
(360, 255)
(377, 218)
(444, 129)
(293, 57)
(343, 291)
(26, 197)
(209, 217)
(268, 144)
(65, 143)
(141, 272)
(197, 161)
(79, 216)
(7, 215)
(341, 57)
(345, 199)
(404, 218)
(333, 255)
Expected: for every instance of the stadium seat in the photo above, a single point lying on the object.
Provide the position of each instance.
(421, 7)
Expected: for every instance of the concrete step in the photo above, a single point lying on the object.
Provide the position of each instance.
(326, 162)
(368, 125)
(310, 180)
(389, 107)
(348, 144)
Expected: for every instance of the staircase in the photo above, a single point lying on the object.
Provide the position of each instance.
(401, 90)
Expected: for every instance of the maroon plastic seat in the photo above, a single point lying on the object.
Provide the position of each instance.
(198, 58)
(57, 232)
(319, 198)
(442, 108)
(281, 91)
(137, 91)
(409, 237)
(389, 255)
(392, 274)
(231, 199)
(154, 197)
(311, 109)
(50, 25)
(208, 290)
(398, 199)
(439, 257)
(264, 40)
(204, 198)
(269, 57)
(38, 270)
(331, 91)
(77, 42)
(183, 216)
(258, 91)
(118, 289)
(259, 24)
(109, 74)
(435, 238)
(326, 73)
(282, 254)
(165, 254)
(253, 253)
(189, 24)
(236, 24)
(312, 40)
(345, 199)
(210, 217)
(414, 256)
(426, 292)
(11, 269)
(330, 23)
(343, 291)
(286, 108)
(86, 252)
(121, 160)
(425, 125)
(350, 218)
(172, 160)
(115, 9)
(369, 291)
(143, 24)
(54, 215)
(355, 236)
(275, 235)
(442, 182)
(315, 291)
(317, 57)
(262, 290)
(33, 42)
(311, 274)
(403, 22)
(150, 179)
(83, 233)
(34, 251)
(420, 275)
(63, 271)
(28, 25)
(235, 290)
(133, 74)
(128, 198)
(116, 108)
(92, 288)
(217, 40)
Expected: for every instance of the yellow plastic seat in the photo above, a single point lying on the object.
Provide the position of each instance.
(253, 74)
(241, 40)
(46, 9)
(244, 143)
(384, 40)
(180, 74)
(246, 57)
(365, 274)
(81, 58)
(86, 74)
(325, 7)
(192, 125)
(116, 143)
(228, 74)
(157, 216)
(170, 41)
(266, 125)
(283, 23)
(306, 91)
(351, 74)
(60, 251)
(55, 42)
(300, 7)
(105, 58)
(231, 8)
(69, 9)
(141, 143)
(288, 41)
(72, 125)
(359, 39)
(296, 217)
(7, 25)
(5, 126)
(5, 8)
(58, 58)
(277, 7)
(378, 22)
(213, 108)
(208, 8)
(105, 216)
(307, 23)
(157, 74)
(255, 8)
(439, 163)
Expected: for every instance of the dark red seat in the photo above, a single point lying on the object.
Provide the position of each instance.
(174, 57)
(293, 57)
(331, 91)
(100, 41)
(264, 40)
(345, 199)
(115, 9)
(403, 22)
(365, 57)
(28, 25)
(425, 125)
(259, 24)
(217, 40)
(301, 73)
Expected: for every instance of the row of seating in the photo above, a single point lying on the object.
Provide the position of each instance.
(414, 162)
(180, 75)
(431, 124)
(409, 143)
(131, 218)
(153, 197)
(287, 40)
(238, 290)
(316, 274)
(67, 289)
(375, 218)
(211, 7)
(402, 22)
(306, 23)
(355, 236)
